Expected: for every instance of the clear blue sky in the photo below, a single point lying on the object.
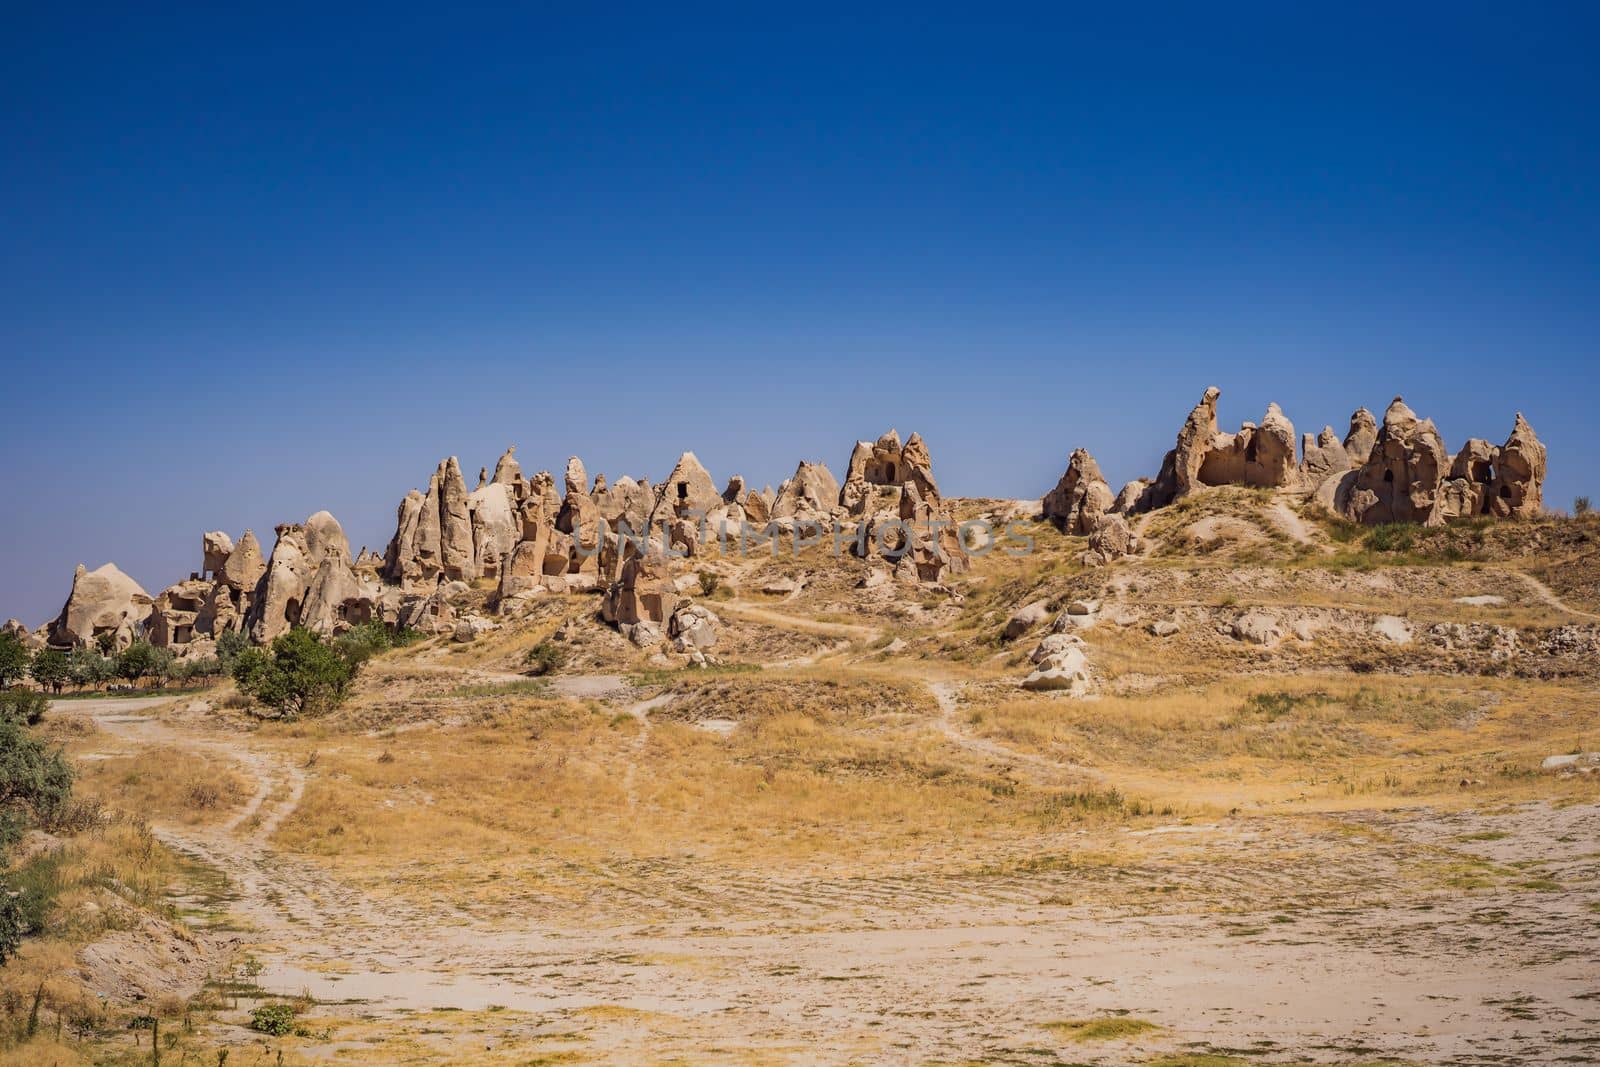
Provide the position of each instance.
(255, 265)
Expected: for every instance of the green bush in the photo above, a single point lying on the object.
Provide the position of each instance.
(1581, 506)
(544, 658)
(708, 583)
(34, 779)
(301, 675)
(14, 659)
(11, 923)
(275, 1019)
(23, 706)
(1392, 537)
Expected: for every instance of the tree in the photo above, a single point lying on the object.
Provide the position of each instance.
(144, 660)
(1580, 506)
(86, 667)
(51, 669)
(229, 644)
(301, 675)
(14, 659)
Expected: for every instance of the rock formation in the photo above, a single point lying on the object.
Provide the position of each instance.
(295, 564)
(102, 601)
(1261, 455)
(809, 496)
(520, 538)
(1400, 480)
(1518, 487)
(1081, 497)
(880, 471)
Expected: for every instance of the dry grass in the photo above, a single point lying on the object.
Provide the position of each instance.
(166, 783)
(1319, 739)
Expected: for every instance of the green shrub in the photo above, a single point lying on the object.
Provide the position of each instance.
(14, 659)
(1392, 537)
(12, 926)
(708, 583)
(544, 658)
(275, 1019)
(1581, 506)
(301, 675)
(23, 706)
(34, 779)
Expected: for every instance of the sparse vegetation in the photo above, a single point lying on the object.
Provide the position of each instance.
(544, 658)
(708, 583)
(1110, 1028)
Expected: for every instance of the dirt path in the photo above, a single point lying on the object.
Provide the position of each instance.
(1042, 771)
(1548, 595)
(758, 613)
(958, 966)
(1287, 522)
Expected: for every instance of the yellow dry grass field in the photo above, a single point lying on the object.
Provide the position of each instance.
(857, 839)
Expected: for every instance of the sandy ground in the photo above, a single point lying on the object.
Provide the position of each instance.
(1291, 941)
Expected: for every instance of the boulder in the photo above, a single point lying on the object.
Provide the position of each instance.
(471, 627)
(1322, 455)
(281, 595)
(1134, 497)
(1110, 538)
(1261, 455)
(1394, 629)
(693, 627)
(181, 613)
(1053, 645)
(1360, 438)
(507, 471)
(1062, 668)
(1025, 618)
(1257, 627)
